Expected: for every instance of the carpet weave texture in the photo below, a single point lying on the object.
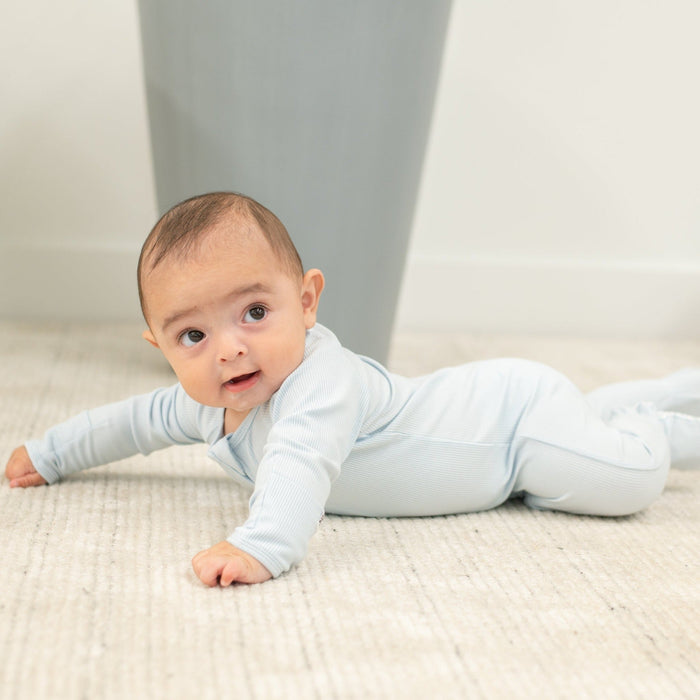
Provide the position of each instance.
(98, 599)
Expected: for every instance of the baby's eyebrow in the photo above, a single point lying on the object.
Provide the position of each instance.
(173, 318)
(255, 288)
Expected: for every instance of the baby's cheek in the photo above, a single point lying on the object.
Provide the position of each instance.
(196, 388)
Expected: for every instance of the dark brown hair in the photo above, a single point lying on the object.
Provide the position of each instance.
(181, 228)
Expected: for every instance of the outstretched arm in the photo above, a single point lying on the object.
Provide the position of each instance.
(20, 470)
(118, 430)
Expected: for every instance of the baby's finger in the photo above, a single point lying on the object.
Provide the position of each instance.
(208, 574)
(233, 571)
(33, 479)
(208, 568)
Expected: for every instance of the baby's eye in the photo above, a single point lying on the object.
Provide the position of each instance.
(191, 338)
(255, 313)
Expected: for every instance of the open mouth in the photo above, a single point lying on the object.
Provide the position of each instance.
(242, 381)
(242, 378)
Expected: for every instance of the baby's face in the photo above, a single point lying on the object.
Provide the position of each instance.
(229, 320)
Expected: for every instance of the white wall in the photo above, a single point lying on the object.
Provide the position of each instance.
(562, 185)
(75, 170)
(561, 189)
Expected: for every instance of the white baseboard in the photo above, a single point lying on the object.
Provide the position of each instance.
(68, 283)
(598, 298)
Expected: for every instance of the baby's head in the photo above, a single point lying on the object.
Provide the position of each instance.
(226, 299)
(182, 229)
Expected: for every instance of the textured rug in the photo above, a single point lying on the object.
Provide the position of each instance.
(98, 600)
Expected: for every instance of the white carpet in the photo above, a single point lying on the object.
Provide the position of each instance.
(98, 600)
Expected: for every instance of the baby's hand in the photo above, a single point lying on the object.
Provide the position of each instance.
(223, 564)
(20, 470)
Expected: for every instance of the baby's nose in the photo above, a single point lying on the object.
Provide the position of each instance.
(230, 347)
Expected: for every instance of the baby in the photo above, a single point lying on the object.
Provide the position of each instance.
(312, 427)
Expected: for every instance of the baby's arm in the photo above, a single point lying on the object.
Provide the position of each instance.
(140, 424)
(316, 418)
(20, 470)
(225, 564)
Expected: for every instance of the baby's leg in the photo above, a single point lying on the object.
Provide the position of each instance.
(675, 400)
(566, 457)
(679, 392)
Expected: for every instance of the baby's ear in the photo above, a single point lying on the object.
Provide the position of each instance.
(312, 286)
(147, 335)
